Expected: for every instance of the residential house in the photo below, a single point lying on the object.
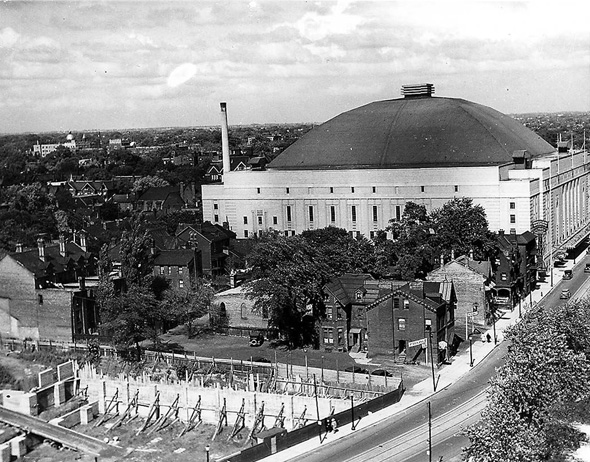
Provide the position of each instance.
(212, 240)
(383, 317)
(179, 267)
(413, 321)
(344, 325)
(37, 289)
(162, 199)
(237, 163)
(473, 282)
(515, 267)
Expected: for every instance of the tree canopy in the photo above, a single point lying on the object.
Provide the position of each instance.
(547, 370)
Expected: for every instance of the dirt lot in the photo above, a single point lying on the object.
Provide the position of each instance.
(161, 446)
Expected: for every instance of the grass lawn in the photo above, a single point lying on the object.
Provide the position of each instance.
(230, 347)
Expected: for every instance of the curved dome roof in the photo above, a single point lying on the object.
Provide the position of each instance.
(412, 132)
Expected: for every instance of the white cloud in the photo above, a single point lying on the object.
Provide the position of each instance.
(315, 26)
(181, 74)
(8, 37)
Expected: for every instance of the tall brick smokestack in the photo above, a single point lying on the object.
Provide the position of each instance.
(224, 139)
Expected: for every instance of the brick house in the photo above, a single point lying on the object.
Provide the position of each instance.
(415, 311)
(382, 317)
(515, 267)
(213, 241)
(473, 282)
(37, 288)
(179, 267)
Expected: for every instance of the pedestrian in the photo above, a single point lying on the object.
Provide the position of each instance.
(488, 337)
(334, 425)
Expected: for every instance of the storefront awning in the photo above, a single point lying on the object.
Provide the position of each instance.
(355, 330)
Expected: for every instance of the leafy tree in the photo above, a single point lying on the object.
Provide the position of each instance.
(413, 247)
(186, 305)
(146, 182)
(130, 311)
(547, 369)
(461, 226)
(287, 279)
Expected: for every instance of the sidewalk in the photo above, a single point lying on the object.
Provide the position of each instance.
(447, 374)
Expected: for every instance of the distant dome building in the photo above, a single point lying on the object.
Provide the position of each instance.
(70, 137)
(358, 170)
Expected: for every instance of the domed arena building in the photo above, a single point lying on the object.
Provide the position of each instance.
(358, 170)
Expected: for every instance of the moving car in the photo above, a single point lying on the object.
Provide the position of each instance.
(587, 268)
(568, 274)
(565, 293)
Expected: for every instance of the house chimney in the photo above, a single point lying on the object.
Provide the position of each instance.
(224, 139)
(62, 245)
(452, 254)
(41, 246)
(19, 248)
(81, 283)
(471, 254)
(83, 240)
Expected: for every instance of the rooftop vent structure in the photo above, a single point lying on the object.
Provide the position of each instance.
(417, 90)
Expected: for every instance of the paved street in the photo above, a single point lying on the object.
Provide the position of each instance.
(400, 433)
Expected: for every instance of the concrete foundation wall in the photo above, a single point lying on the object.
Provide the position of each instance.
(212, 401)
(19, 401)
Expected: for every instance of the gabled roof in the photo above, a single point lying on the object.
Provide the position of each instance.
(53, 260)
(344, 287)
(158, 193)
(181, 257)
(422, 292)
(208, 230)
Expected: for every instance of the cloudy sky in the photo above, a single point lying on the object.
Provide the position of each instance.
(110, 64)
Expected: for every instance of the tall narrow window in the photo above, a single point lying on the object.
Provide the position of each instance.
(456, 188)
(375, 213)
(287, 189)
(288, 213)
(275, 220)
(259, 220)
(398, 212)
(332, 214)
(311, 213)
(401, 324)
(374, 189)
(331, 190)
(422, 188)
(258, 190)
(352, 189)
(353, 210)
(245, 220)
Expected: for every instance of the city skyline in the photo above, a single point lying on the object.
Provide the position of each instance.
(101, 65)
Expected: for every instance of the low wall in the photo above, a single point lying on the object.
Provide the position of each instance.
(312, 429)
(83, 415)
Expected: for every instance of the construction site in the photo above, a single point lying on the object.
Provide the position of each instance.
(219, 410)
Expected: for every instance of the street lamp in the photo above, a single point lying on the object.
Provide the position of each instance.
(207, 451)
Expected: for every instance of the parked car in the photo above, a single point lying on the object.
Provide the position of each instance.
(587, 268)
(565, 293)
(356, 370)
(259, 359)
(381, 372)
(568, 274)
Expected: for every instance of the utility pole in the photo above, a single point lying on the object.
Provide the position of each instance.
(429, 434)
(431, 358)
